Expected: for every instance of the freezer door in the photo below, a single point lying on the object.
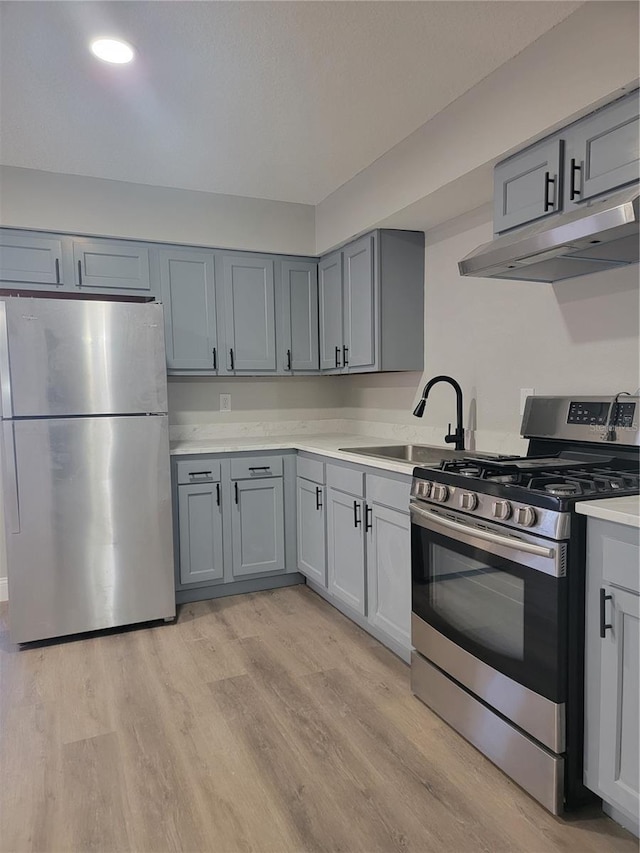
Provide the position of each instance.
(77, 357)
(93, 547)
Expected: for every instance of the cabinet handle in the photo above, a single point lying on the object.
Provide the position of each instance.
(603, 620)
(235, 489)
(231, 358)
(218, 494)
(338, 357)
(288, 359)
(193, 474)
(215, 358)
(80, 273)
(368, 518)
(260, 468)
(318, 498)
(548, 181)
(573, 192)
(57, 270)
(357, 521)
(345, 356)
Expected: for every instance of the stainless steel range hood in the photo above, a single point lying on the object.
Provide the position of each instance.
(600, 235)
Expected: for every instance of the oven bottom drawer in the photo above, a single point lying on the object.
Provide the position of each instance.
(539, 772)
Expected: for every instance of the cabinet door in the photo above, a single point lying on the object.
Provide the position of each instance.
(258, 526)
(360, 306)
(619, 705)
(200, 523)
(346, 549)
(330, 309)
(312, 551)
(111, 266)
(527, 186)
(389, 572)
(32, 261)
(299, 345)
(604, 151)
(188, 293)
(249, 300)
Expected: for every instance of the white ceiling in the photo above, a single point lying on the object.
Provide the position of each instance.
(280, 100)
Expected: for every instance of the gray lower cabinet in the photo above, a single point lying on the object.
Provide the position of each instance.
(311, 524)
(603, 151)
(106, 265)
(187, 280)
(257, 522)
(346, 552)
(298, 337)
(389, 572)
(33, 262)
(200, 520)
(612, 669)
(249, 314)
(527, 185)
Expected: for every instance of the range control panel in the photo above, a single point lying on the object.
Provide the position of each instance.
(597, 413)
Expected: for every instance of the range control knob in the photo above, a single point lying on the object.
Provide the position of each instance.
(501, 510)
(468, 500)
(423, 489)
(440, 493)
(526, 516)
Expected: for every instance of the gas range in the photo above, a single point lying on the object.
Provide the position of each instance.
(532, 492)
(498, 574)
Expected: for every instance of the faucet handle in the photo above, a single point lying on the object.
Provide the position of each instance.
(449, 438)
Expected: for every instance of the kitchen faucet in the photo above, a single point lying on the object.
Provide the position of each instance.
(458, 435)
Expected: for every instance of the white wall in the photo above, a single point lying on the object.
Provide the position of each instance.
(80, 205)
(495, 337)
(443, 169)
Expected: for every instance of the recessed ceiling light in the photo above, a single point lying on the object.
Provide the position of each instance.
(112, 50)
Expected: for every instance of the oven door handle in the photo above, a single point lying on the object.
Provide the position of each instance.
(486, 535)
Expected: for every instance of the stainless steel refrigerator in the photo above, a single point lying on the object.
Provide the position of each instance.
(85, 454)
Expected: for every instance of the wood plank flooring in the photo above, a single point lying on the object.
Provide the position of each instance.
(266, 723)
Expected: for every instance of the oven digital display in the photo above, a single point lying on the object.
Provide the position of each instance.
(598, 413)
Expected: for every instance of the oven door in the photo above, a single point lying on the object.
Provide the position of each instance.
(498, 595)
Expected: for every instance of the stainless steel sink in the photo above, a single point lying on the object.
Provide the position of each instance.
(416, 454)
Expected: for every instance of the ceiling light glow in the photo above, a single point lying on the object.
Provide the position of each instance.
(112, 50)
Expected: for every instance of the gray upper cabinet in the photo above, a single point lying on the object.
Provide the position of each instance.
(527, 186)
(389, 572)
(107, 266)
(371, 297)
(298, 340)
(30, 261)
(188, 293)
(603, 151)
(200, 523)
(330, 301)
(249, 311)
(346, 550)
(360, 306)
(258, 527)
(312, 551)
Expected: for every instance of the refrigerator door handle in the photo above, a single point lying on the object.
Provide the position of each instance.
(5, 374)
(10, 479)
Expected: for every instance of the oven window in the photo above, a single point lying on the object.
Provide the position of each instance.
(481, 602)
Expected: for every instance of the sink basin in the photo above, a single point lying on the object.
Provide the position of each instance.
(416, 454)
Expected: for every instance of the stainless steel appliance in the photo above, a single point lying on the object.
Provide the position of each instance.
(86, 481)
(498, 587)
(600, 235)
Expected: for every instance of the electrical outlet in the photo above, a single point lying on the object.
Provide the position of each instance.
(225, 402)
(524, 393)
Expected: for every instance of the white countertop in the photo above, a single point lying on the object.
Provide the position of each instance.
(621, 510)
(325, 445)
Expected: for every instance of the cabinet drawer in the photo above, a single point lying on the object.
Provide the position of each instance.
(346, 480)
(310, 469)
(204, 471)
(388, 492)
(253, 467)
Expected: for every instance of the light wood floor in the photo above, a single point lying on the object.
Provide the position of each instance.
(264, 722)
